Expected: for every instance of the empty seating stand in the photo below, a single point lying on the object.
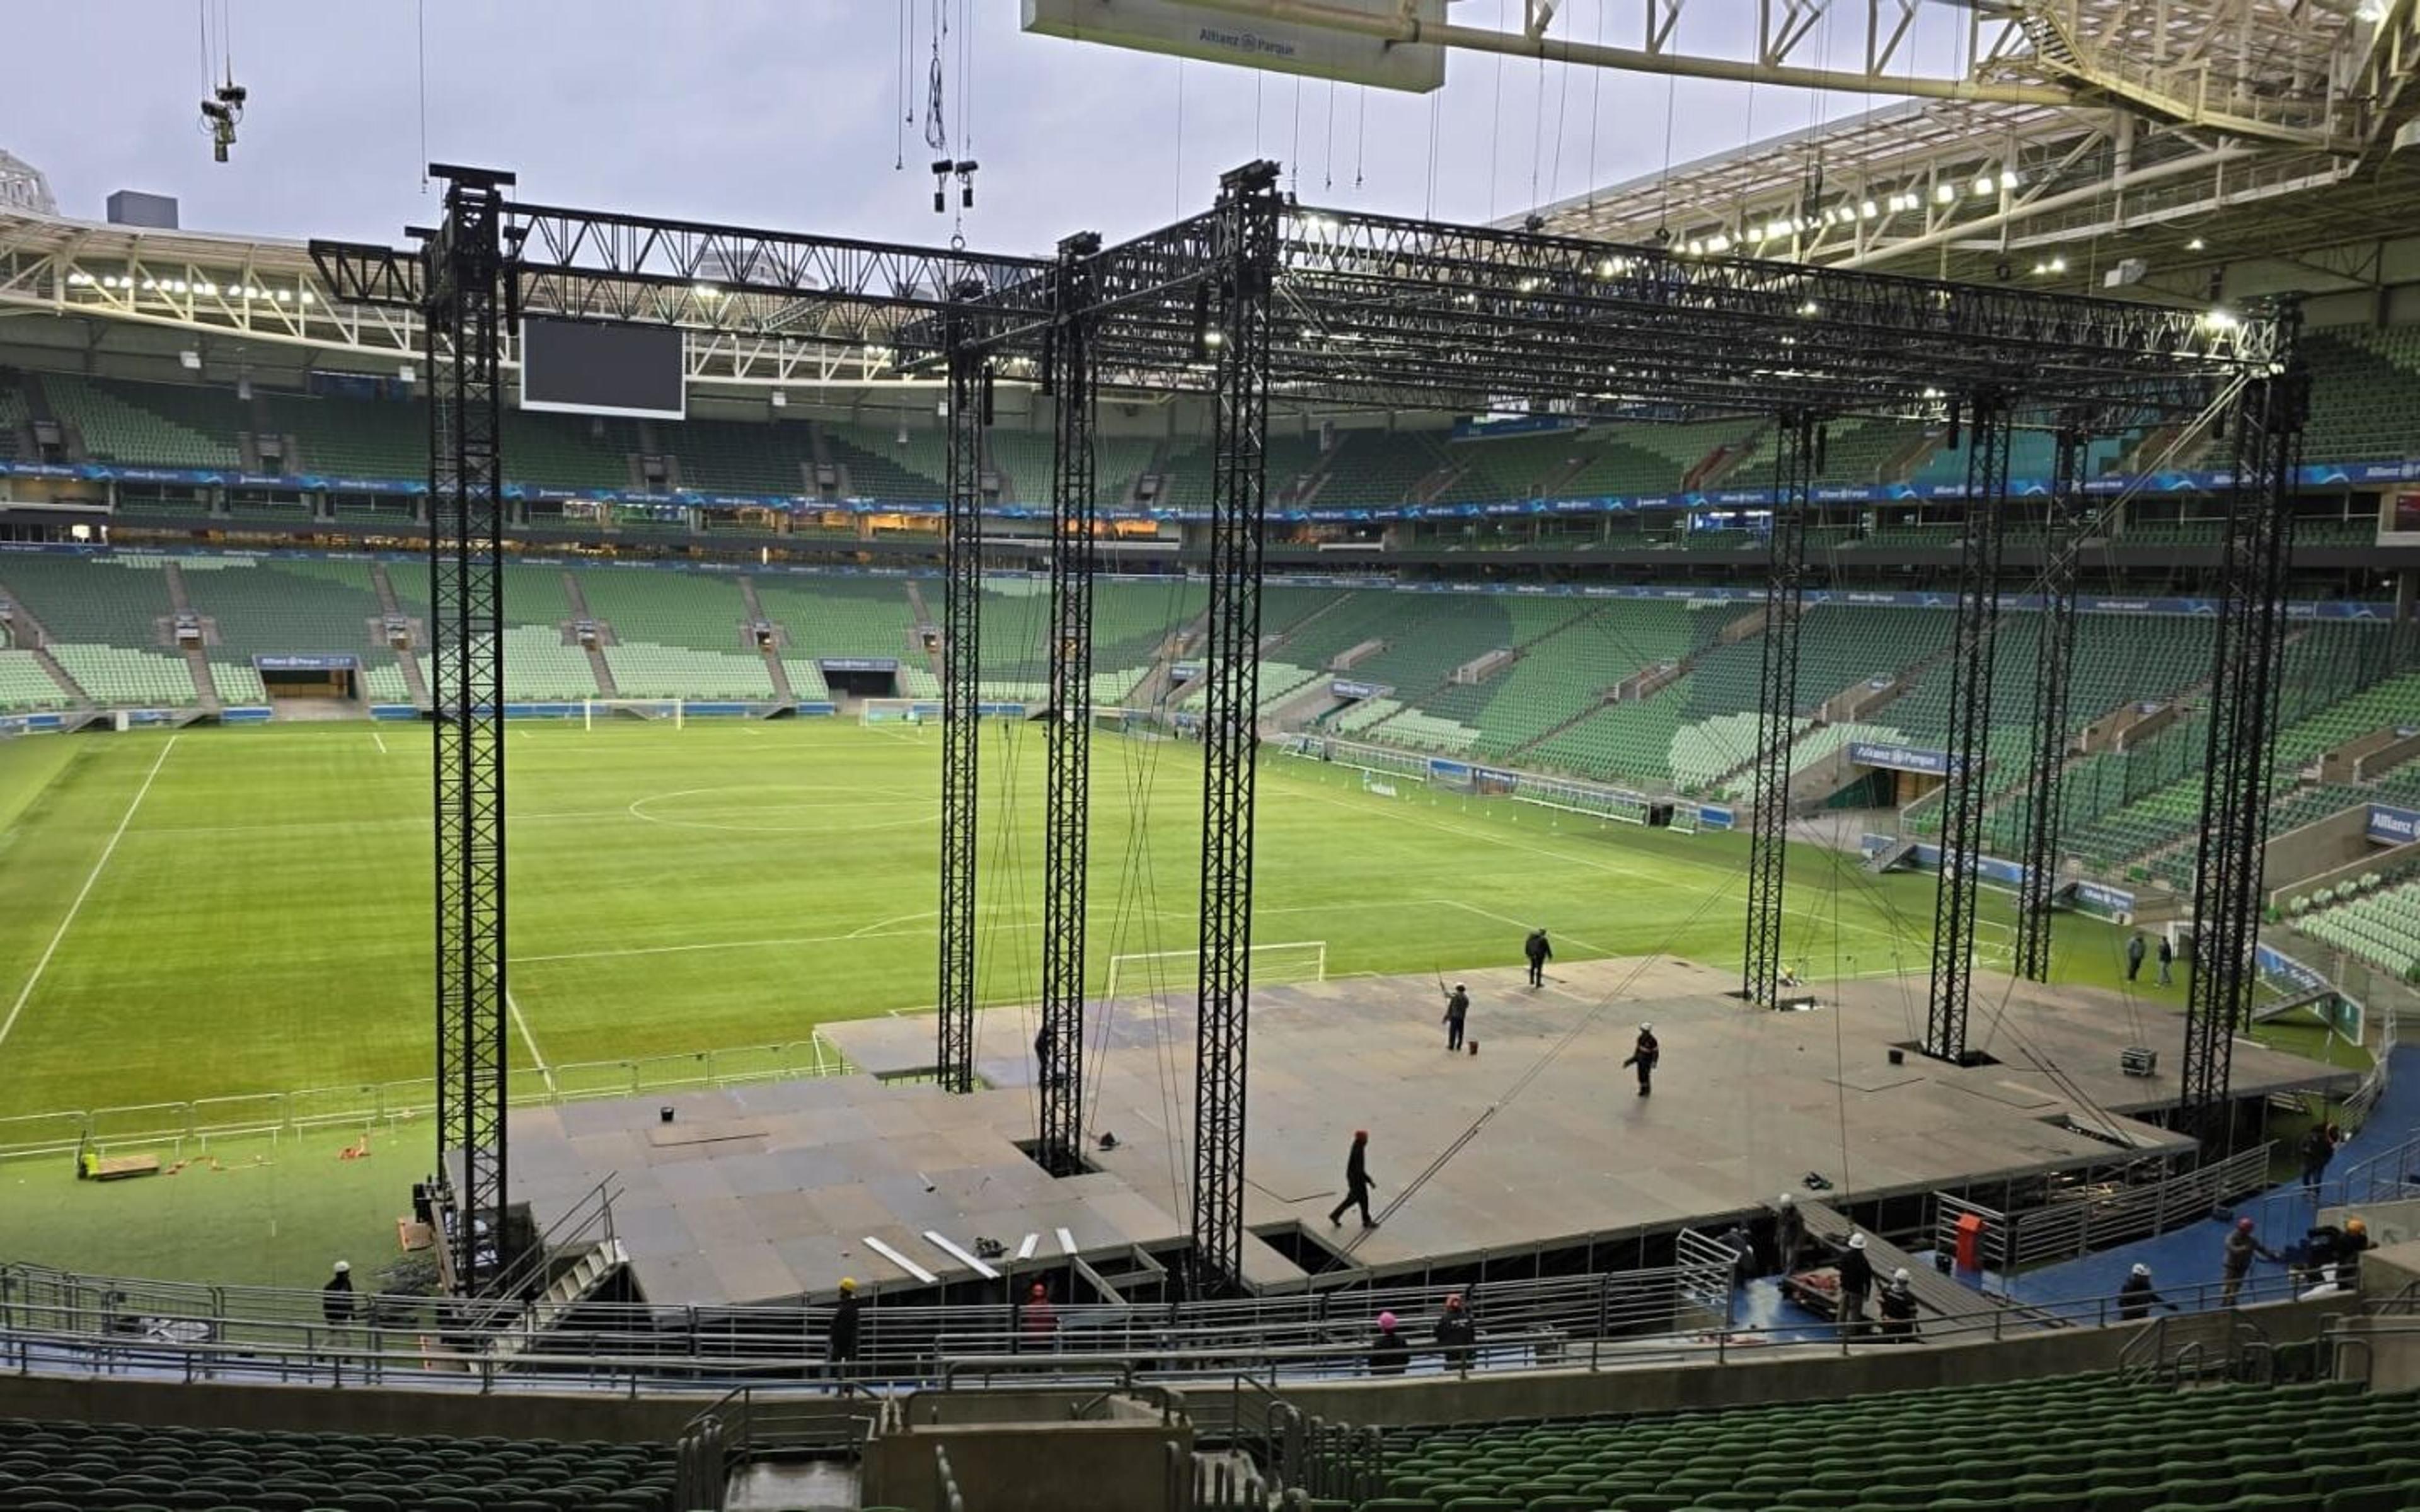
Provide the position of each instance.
(2096, 1442)
(68, 1467)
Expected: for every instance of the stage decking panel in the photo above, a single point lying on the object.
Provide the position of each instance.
(1745, 1105)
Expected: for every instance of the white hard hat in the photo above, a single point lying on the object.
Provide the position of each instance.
(1856, 1241)
(1899, 1276)
(1647, 1028)
(2141, 1269)
(1787, 1200)
(342, 1266)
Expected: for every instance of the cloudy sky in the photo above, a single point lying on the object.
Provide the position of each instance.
(787, 113)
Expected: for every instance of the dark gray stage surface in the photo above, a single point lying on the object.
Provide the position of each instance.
(765, 1193)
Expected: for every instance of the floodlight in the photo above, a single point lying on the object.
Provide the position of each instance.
(1944, 194)
(2197, 245)
(2008, 180)
(190, 360)
(1983, 185)
(1868, 209)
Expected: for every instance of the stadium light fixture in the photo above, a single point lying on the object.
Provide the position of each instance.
(706, 291)
(2197, 245)
(1869, 211)
(406, 373)
(1984, 185)
(1720, 244)
(781, 400)
(1945, 193)
(2009, 181)
(190, 360)
(2220, 320)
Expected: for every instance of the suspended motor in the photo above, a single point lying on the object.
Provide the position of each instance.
(220, 112)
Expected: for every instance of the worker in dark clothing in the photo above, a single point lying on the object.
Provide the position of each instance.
(840, 1349)
(1357, 1183)
(1898, 1305)
(1539, 952)
(2317, 1148)
(1046, 1046)
(1743, 1248)
(337, 1303)
(2236, 1260)
(1037, 1321)
(1390, 1355)
(2349, 1253)
(2135, 1297)
(1457, 1006)
(1457, 1333)
(1644, 1055)
(2168, 955)
(1856, 1283)
(2134, 957)
(1789, 1234)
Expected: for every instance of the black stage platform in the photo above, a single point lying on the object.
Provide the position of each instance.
(768, 1192)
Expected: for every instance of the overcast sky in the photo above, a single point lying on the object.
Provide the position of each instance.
(786, 112)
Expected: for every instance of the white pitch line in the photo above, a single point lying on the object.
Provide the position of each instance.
(107, 851)
(381, 741)
(544, 1071)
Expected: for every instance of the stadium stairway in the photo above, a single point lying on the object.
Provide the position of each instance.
(772, 653)
(409, 660)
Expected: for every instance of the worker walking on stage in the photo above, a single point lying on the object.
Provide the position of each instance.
(1457, 1006)
(2134, 957)
(1644, 1055)
(1856, 1285)
(2135, 1297)
(1539, 952)
(2235, 1262)
(2168, 955)
(1357, 1183)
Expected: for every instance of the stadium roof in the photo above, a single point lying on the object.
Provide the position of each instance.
(2268, 135)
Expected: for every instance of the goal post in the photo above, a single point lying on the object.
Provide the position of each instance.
(1146, 974)
(673, 709)
(898, 711)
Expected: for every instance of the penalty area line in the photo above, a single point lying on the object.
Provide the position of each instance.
(27, 995)
(381, 741)
(545, 1072)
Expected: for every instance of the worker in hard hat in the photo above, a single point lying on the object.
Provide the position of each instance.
(2135, 1297)
(840, 1350)
(2235, 1260)
(1898, 1305)
(1789, 1233)
(1857, 1270)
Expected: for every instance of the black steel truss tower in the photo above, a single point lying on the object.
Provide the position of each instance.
(2053, 658)
(1067, 816)
(467, 285)
(1972, 638)
(1234, 335)
(961, 711)
(1776, 704)
(2220, 972)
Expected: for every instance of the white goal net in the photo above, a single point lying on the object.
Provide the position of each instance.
(1150, 973)
(899, 711)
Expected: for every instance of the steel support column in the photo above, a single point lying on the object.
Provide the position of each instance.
(1776, 704)
(467, 309)
(1068, 806)
(2220, 973)
(1234, 334)
(2054, 657)
(1972, 638)
(969, 394)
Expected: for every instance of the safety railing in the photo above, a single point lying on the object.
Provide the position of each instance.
(2097, 1214)
(186, 1129)
(42, 1344)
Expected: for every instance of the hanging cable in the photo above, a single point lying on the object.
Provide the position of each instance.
(422, 38)
(937, 134)
(1360, 130)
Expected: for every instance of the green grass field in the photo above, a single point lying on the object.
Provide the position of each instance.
(229, 912)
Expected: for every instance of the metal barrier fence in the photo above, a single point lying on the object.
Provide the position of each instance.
(33, 1343)
(387, 1106)
(2098, 1215)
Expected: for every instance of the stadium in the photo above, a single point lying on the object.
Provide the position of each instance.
(1746, 840)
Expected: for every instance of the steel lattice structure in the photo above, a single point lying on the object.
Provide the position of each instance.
(961, 716)
(1236, 333)
(1799, 443)
(1262, 301)
(468, 305)
(1989, 428)
(2220, 970)
(2054, 659)
(1067, 803)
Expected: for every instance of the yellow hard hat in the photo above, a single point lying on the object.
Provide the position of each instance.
(2354, 1225)
(848, 1283)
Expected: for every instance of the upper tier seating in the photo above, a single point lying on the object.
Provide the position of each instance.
(170, 424)
(25, 687)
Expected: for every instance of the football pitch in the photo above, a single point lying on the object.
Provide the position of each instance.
(220, 914)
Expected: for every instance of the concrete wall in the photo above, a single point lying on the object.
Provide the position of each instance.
(653, 1418)
(2321, 845)
(1036, 1467)
(2385, 1348)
